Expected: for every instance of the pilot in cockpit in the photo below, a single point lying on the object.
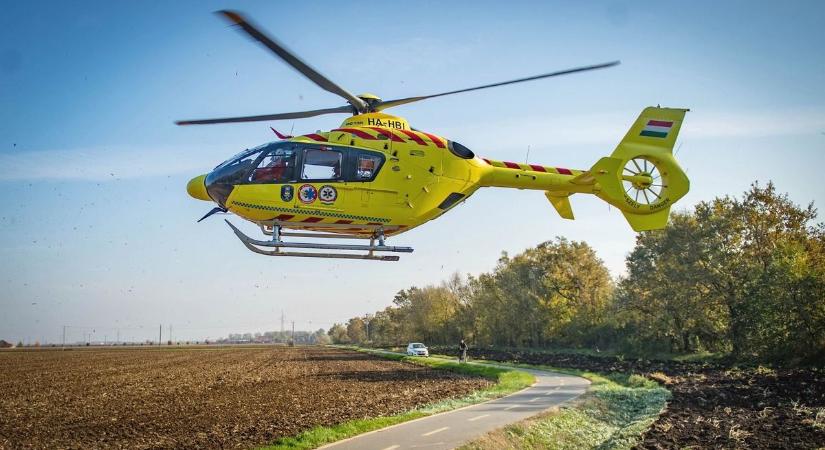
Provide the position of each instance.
(273, 168)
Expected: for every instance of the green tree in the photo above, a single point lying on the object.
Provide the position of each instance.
(554, 294)
(357, 330)
(663, 304)
(744, 275)
(761, 256)
(320, 337)
(338, 334)
(384, 331)
(741, 275)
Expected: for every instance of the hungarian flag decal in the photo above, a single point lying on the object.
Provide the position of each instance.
(656, 128)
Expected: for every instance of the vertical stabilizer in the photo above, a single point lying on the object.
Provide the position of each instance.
(641, 177)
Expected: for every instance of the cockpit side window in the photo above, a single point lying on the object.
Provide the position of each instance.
(277, 166)
(321, 164)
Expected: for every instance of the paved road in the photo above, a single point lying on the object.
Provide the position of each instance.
(450, 429)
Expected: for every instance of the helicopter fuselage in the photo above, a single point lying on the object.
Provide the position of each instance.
(376, 176)
(372, 170)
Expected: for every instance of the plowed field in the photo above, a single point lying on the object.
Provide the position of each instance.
(207, 398)
(713, 406)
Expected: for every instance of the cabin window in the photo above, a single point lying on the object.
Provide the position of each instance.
(278, 166)
(366, 167)
(321, 164)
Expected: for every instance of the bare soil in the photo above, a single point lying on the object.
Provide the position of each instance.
(202, 398)
(713, 405)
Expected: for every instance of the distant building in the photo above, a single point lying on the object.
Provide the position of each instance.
(4, 344)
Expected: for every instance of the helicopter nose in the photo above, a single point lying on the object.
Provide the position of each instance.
(197, 188)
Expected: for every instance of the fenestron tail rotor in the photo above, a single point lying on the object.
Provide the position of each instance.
(642, 181)
(358, 104)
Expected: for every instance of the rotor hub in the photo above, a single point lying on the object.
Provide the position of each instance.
(371, 100)
(643, 182)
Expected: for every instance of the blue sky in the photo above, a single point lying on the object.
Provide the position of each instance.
(97, 230)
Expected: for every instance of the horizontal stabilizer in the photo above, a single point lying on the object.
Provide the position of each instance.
(561, 203)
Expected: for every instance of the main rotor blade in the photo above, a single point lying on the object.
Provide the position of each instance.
(293, 115)
(390, 103)
(291, 59)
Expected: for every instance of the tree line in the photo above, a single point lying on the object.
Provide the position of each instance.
(739, 276)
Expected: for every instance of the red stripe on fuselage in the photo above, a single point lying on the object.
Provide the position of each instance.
(284, 217)
(316, 137)
(436, 140)
(414, 137)
(313, 219)
(564, 171)
(359, 133)
(389, 134)
(511, 165)
(538, 168)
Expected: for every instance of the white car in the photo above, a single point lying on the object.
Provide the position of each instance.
(417, 349)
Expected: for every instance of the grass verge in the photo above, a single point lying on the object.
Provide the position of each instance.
(507, 381)
(613, 414)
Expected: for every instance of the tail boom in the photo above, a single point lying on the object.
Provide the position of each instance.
(641, 177)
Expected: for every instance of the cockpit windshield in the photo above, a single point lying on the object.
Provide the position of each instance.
(242, 155)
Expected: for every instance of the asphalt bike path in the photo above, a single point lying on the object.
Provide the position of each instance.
(450, 429)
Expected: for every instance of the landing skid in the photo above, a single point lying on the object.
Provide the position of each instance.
(375, 234)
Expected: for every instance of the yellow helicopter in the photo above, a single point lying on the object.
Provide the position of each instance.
(375, 176)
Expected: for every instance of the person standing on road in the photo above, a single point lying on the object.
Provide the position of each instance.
(462, 351)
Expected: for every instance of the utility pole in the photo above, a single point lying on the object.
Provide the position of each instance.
(170, 332)
(63, 347)
(160, 334)
(282, 322)
(118, 336)
(293, 331)
(367, 323)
